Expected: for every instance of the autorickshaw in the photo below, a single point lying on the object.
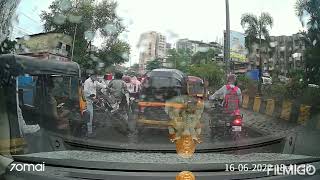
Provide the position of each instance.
(196, 87)
(157, 88)
(55, 103)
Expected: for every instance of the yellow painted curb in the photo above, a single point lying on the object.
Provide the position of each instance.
(12, 145)
(304, 114)
(256, 104)
(286, 110)
(245, 101)
(270, 107)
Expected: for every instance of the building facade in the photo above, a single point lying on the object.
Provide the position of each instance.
(198, 46)
(282, 53)
(55, 46)
(286, 53)
(152, 45)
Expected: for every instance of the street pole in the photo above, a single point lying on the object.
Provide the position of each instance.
(260, 61)
(74, 37)
(227, 42)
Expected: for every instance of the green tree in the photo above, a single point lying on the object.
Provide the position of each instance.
(256, 28)
(308, 12)
(210, 71)
(203, 57)
(82, 20)
(7, 46)
(179, 59)
(154, 64)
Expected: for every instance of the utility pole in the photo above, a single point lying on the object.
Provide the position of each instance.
(74, 35)
(260, 60)
(227, 37)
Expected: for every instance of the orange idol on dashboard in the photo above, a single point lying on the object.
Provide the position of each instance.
(185, 146)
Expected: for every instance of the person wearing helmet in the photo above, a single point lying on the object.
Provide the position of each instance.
(232, 97)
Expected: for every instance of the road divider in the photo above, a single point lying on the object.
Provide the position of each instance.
(283, 109)
(257, 104)
(286, 110)
(304, 114)
(270, 107)
(245, 101)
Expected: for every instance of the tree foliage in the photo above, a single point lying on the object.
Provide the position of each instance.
(203, 57)
(154, 64)
(179, 59)
(85, 19)
(210, 71)
(309, 15)
(256, 27)
(7, 46)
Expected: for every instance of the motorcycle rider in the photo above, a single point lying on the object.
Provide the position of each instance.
(119, 91)
(232, 97)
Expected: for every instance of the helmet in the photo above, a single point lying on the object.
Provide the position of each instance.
(126, 79)
(231, 78)
(118, 75)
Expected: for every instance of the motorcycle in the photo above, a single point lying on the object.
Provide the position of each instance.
(230, 123)
(118, 112)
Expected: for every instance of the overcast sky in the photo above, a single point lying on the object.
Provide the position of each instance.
(200, 19)
(193, 19)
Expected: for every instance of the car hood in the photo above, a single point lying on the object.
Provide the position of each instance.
(159, 161)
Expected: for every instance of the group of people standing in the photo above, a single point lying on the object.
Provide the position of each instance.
(119, 88)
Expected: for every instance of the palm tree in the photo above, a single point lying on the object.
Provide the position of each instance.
(308, 12)
(256, 28)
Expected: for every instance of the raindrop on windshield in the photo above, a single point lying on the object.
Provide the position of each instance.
(125, 56)
(59, 19)
(143, 45)
(304, 18)
(172, 35)
(110, 28)
(94, 58)
(314, 42)
(101, 64)
(15, 18)
(26, 50)
(89, 35)
(16, 46)
(5, 45)
(65, 5)
(273, 44)
(203, 49)
(26, 37)
(74, 18)
(124, 36)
